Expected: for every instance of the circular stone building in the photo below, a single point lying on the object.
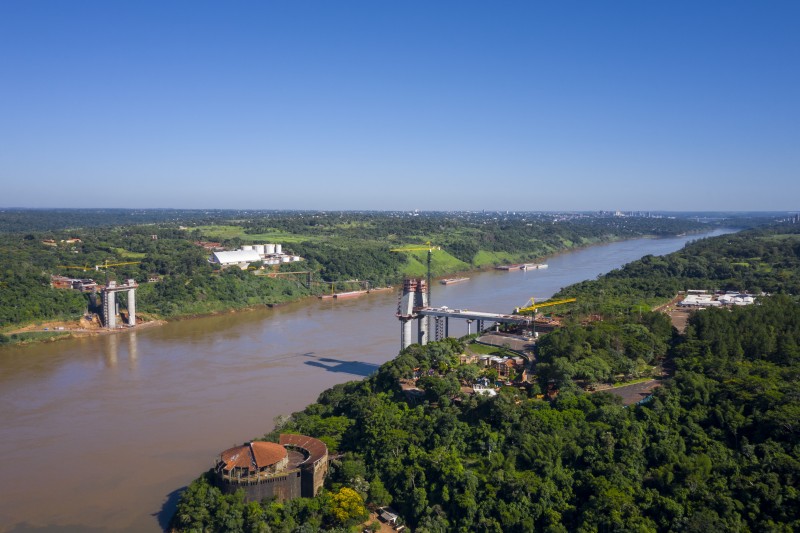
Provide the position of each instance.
(295, 467)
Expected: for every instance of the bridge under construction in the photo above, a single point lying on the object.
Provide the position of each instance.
(414, 306)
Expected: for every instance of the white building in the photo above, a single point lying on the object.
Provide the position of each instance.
(270, 254)
(696, 298)
(242, 258)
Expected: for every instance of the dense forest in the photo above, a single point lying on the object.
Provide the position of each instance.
(158, 249)
(765, 259)
(713, 449)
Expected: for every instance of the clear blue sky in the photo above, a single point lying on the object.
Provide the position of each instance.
(558, 105)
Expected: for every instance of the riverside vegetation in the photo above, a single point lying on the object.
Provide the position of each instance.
(338, 247)
(715, 448)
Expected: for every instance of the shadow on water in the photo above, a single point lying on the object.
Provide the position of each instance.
(164, 515)
(357, 368)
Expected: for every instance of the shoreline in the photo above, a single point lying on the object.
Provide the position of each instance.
(81, 333)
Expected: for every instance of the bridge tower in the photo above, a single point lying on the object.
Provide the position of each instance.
(110, 303)
(414, 298)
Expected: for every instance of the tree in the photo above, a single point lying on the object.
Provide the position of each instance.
(347, 506)
(378, 495)
(468, 373)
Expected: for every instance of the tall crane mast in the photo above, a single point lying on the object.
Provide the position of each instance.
(429, 248)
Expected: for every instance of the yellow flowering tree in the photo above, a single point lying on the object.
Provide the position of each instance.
(347, 506)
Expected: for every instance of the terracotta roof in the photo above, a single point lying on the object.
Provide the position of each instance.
(255, 455)
(237, 457)
(267, 453)
(315, 448)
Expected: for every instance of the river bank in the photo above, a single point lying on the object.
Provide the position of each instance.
(51, 331)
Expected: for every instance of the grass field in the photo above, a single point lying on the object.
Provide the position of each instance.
(484, 258)
(36, 336)
(482, 349)
(231, 232)
(782, 237)
(441, 263)
(125, 254)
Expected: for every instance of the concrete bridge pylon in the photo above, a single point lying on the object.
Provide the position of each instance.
(414, 298)
(110, 302)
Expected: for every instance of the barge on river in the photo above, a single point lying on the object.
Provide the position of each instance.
(450, 281)
(521, 266)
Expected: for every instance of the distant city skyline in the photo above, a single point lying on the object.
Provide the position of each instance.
(518, 106)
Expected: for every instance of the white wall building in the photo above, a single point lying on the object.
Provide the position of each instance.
(242, 258)
(270, 254)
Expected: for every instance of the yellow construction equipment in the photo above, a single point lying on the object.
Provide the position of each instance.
(106, 264)
(533, 307)
(429, 248)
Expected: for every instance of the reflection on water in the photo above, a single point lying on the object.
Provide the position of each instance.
(91, 441)
(133, 350)
(130, 349)
(111, 350)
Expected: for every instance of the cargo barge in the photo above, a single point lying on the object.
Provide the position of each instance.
(521, 266)
(342, 295)
(533, 266)
(354, 294)
(450, 281)
(349, 294)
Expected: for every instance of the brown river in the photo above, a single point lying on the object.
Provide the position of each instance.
(100, 433)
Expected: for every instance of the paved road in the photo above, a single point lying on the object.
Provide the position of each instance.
(631, 394)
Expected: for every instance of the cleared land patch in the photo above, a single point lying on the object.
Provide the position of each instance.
(231, 232)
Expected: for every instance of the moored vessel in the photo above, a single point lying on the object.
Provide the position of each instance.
(450, 281)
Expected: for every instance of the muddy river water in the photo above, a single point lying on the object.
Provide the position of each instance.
(99, 434)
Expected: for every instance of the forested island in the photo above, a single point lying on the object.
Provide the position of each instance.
(163, 251)
(713, 449)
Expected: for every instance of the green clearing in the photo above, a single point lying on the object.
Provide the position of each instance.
(441, 263)
(781, 237)
(222, 232)
(631, 382)
(486, 258)
(483, 349)
(125, 254)
(34, 336)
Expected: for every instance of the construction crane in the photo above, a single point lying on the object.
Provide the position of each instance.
(533, 307)
(106, 264)
(428, 248)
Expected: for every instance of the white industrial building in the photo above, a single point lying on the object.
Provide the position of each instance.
(269, 254)
(241, 258)
(696, 298)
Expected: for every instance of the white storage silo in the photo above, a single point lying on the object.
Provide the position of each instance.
(270, 248)
(260, 249)
(278, 249)
(247, 247)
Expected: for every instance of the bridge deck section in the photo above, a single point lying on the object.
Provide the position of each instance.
(473, 315)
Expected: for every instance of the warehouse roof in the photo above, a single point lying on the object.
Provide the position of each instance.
(236, 256)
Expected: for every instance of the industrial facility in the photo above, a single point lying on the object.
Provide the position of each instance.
(294, 468)
(702, 298)
(269, 254)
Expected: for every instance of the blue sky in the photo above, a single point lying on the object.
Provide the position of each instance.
(567, 105)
